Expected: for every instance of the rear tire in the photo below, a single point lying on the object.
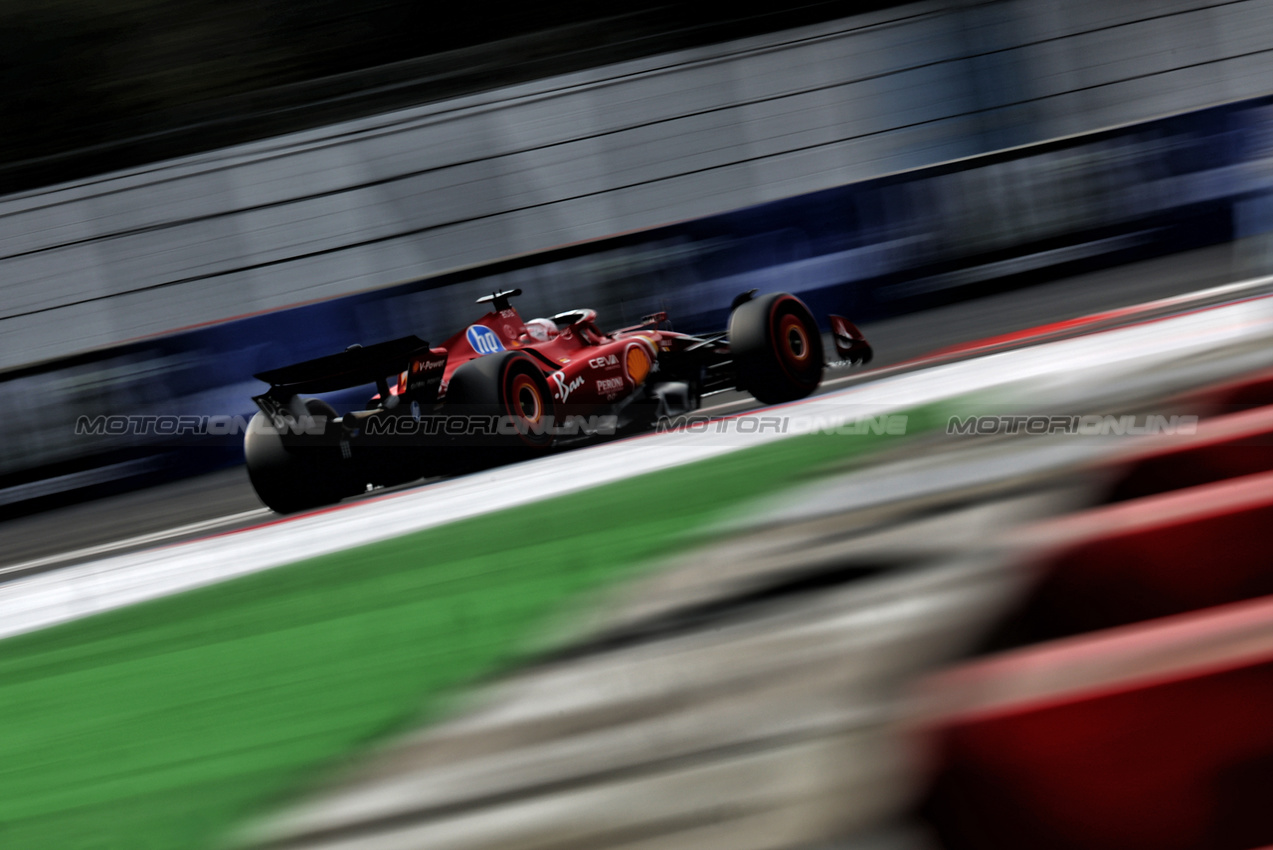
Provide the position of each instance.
(508, 389)
(296, 478)
(777, 348)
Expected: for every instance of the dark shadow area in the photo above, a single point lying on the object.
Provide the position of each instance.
(87, 88)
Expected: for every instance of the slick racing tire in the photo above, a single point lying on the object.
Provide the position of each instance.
(777, 348)
(506, 399)
(293, 478)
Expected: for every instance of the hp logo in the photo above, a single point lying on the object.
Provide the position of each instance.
(483, 339)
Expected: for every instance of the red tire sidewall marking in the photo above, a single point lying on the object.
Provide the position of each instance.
(782, 324)
(522, 380)
(524, 383)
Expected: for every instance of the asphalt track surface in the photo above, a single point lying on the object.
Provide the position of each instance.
(224, 501)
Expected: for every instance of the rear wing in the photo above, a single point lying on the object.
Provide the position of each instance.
(354, 366)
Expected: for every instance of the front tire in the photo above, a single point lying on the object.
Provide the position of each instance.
(777, 348)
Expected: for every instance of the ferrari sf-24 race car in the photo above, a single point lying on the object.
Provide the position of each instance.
(504, 389)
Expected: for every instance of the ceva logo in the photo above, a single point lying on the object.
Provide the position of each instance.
(483, 339)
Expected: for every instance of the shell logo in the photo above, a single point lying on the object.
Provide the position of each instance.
(637, 362)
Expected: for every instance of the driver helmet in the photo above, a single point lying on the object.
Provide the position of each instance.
(541, 330)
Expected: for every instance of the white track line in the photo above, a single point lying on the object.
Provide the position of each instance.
(136, 542)
(1056, 368)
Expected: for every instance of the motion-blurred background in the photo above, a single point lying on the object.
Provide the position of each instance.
(922, 131)
(194, 192)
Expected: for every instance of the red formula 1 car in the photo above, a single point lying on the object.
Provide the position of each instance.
(504, 389)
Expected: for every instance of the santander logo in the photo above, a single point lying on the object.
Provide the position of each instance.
(564, 388)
